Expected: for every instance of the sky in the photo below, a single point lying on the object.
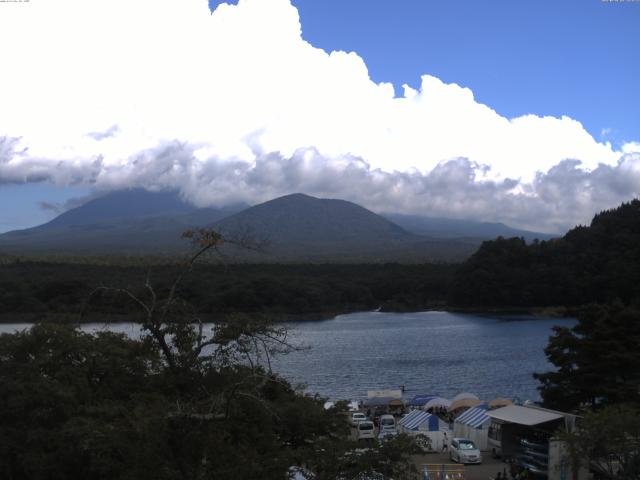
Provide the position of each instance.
(519, 112)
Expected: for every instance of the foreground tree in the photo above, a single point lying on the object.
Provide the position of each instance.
(610, 439)
(598, 360)
(181, 402)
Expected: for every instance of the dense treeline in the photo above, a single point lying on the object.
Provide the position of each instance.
(595, 264)
(45, 290)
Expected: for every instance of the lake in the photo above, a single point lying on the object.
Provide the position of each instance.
(428, 352)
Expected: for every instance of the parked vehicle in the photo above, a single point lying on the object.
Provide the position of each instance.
(494, 438)
(463, 450)
(387, 422)
(358, 417)
(365, 429)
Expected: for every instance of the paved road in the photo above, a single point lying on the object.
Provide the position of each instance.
(486, 470)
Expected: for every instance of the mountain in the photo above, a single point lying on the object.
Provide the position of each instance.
(453, 228)
(127, 221)
(303, 228)
(296, 228)
(299, 226)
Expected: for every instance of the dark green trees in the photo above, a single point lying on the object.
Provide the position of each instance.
(595, 264)
(609, 438)
(598, 360)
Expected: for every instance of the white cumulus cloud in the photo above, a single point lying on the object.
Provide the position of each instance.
(165, 94)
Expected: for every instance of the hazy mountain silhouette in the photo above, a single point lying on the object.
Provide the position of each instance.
(453, 228)
(296, 227)
(127, 221)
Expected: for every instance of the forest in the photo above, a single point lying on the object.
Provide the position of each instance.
(599, 263)
(38, 290)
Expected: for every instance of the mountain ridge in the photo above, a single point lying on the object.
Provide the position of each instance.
(298, 227)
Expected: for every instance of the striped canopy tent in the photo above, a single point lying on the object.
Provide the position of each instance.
(474, 417)
(474, 425)
(464, 403)
(500, 402)
(464, 395)
(437, 402)
(420, 400)
(420, 420)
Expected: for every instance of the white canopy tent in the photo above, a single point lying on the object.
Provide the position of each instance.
(464, 395)
(437, 402)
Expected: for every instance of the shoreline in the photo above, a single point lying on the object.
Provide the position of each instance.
(511, 313)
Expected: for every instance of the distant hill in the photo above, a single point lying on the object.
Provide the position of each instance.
(596, 263)
(296, 227)
(304, 228)
(127, 221)
(453, 228)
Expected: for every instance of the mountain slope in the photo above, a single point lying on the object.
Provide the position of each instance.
(129, 221)
(123, 205)
(453, 228)
(302, 227)
(297, 227)
(303, 218)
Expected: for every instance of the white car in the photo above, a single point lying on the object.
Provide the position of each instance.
(387, 422)
(358, 417)
(463, 450)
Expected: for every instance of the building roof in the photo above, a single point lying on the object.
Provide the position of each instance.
(524, 415)
(474, 417)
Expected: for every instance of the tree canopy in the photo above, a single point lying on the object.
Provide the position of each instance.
(595, 264)
(598, 360)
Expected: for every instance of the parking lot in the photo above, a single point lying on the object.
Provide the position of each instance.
(487, 469)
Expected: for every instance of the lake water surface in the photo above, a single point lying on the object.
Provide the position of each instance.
(428, 352)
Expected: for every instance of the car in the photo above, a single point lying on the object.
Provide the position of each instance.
(387, 422)
(365, 429)
(463, 450)
(387, 434)
(358, 417)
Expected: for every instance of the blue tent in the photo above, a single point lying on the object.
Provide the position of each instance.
(418, 418)
(420, 400)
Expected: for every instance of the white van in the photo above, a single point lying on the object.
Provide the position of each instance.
(365, 430)
(387, 423)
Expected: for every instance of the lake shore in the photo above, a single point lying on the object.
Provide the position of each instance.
(509, 313)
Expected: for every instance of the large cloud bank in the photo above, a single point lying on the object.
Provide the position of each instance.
(235, 105)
